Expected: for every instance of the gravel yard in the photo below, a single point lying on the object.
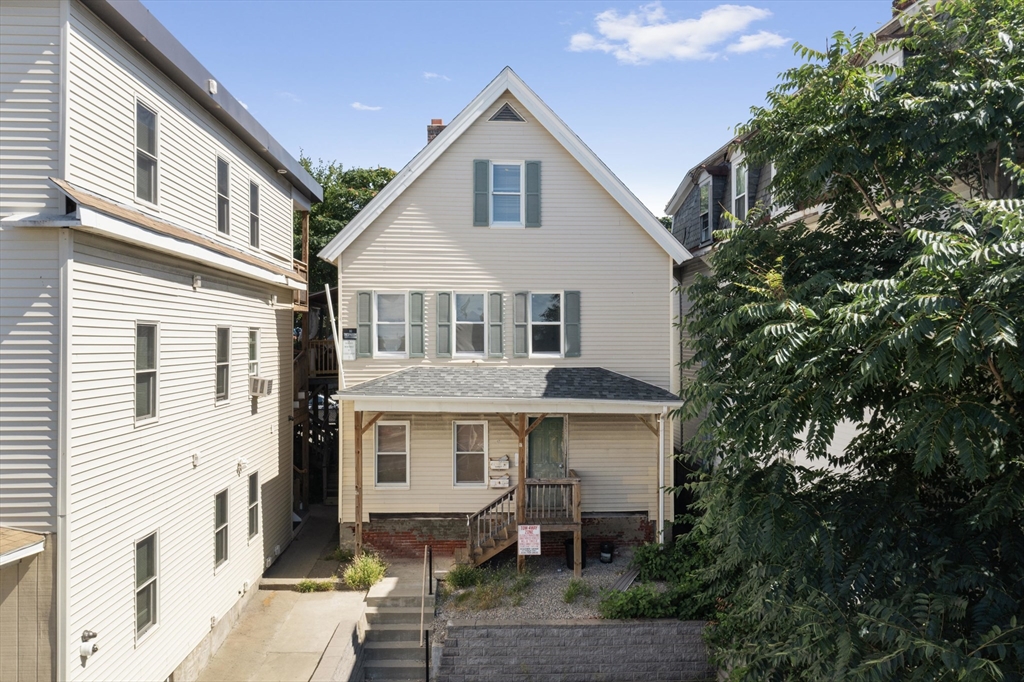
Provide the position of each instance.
(542, 599)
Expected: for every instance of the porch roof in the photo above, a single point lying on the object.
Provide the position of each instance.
(585, 390)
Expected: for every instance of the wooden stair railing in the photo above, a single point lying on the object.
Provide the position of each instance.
(493, 528)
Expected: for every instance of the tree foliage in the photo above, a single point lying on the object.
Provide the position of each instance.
(900, 555)
(346, 192)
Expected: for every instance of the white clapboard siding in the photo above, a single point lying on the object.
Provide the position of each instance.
(692, 269)
(105, 79)
(615, 456)
(426, 241)
(29, 105)
(29, 364)
(128, 479)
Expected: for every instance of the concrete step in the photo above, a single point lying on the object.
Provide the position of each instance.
(392, 632)
(402, 599)
(398, 614)
(394, 670)
(394, 651)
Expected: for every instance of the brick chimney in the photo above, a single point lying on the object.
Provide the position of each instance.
(434, 129)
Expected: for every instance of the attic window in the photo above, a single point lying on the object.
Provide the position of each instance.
(507, 113)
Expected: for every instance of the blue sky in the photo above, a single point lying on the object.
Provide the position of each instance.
(651, 88)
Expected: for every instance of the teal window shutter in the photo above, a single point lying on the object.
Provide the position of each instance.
(481, 193)
(364, 324)
(533, 193)
(495, 327)
(444, 324)
(572, 324)
(520, 349)
(416, 324)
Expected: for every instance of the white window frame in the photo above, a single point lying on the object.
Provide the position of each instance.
(522, 194)
(217, 364)
(253, 505)
(254, 332)
(738, 164)
(455, 324)
(486, 460)
(408, 440)
(561, 324)
(154, 603)
(710, 212)
(254, 215)
(227, 225)
(156, 371)
(226, 527)
(155, 157)
(405, 307)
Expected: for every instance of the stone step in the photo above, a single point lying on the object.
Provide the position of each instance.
(394, 651)
(394, 670)
(398, 614)
(392, 632)
(403, 599)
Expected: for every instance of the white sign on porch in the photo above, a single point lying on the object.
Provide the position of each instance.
(529, 540)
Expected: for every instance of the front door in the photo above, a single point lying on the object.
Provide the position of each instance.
(546, 458)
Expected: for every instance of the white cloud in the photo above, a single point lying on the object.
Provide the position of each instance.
(646, 35)
(364, 107)
(758, 41)
(244, 105)
(430, 75)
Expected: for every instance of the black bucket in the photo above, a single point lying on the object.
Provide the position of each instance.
(607, 552)
(570, 555)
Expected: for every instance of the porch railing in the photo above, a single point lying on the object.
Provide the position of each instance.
(323, 360)
(300, 299)
(553, 501)
(493, 523)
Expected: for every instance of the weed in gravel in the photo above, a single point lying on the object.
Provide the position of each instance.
(464, 575)
(489, 595)
(364, 572)
(309, 585)
(577, 588)
(340, 555)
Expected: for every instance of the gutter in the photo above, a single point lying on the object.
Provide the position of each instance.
(661, 476)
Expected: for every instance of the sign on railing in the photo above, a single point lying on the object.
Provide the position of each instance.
(529, 540)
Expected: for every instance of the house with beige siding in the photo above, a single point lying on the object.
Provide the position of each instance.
(147, 284)
(505, 305)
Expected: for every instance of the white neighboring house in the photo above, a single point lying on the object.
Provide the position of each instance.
(146, 275)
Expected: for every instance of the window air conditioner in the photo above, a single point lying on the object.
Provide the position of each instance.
(259, 386)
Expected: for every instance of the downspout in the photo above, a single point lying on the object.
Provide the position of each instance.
(661, 476)
(65, 251)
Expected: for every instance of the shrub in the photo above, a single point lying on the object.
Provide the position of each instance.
(309, 585)
(364, 572)
(576, 588)
(463, 575)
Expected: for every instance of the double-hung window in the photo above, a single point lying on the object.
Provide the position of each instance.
(470, 454)
(392, 454)
(145, 371)
(254, 505)
(739, 193)
(254, 352)
(507, 194)
(145, 584)
(223, 362)
(220, 528)
(145, 153)
(470, 324)
(705, 212)
(545, 324)
(390, 316)
(254, 215)
(223, 196)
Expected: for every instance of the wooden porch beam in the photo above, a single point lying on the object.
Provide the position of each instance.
(509, 424)
(373, 420)
(536, 424)
(521, 491)
(643, 420)
(359, 431)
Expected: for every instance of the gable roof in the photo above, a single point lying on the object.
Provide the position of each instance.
(689, 180)
(542, 113)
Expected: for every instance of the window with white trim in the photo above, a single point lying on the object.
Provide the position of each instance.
(705, 211)
(391, 454)
(254, 505)
(739, 192)
(145, 584)
(146, 158)
(470, 443)
(223, 196)
(220, 528)
(390, 317)
(254, 215)
(254, 352)
(145, 371)
(223, 362)
(470, 315)
(545, 324)
(507, 194)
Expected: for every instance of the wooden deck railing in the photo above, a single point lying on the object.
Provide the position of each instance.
(494, 522)
(300, 299)
(323, 360)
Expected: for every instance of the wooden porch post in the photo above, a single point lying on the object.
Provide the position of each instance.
(577, 533)
(358, 433)
(521, 494)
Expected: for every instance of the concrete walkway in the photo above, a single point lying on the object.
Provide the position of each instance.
(306, 556)
(282, 636)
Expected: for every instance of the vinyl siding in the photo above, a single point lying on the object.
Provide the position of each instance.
(426, 241)
(615, 456)
(28, 618)
(128, 479)
(29, 376)
(105, 78)
(691, 270)
(29, 105)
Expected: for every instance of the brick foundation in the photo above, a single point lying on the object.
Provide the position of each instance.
(405, 537)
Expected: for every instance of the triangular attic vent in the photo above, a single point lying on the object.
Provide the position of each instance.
(507, 113)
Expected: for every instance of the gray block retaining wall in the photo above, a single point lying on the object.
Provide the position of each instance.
(574, 651)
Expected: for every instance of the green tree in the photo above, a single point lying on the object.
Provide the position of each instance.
(346, 192)
(902, 556)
